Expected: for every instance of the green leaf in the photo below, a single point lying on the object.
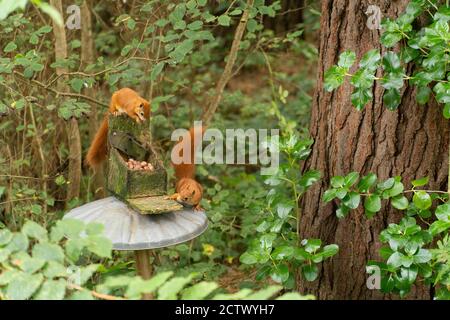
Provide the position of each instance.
(422, 200)
(367, 182)
(11, 46)
(387, 184)
(196, 25)
(337, 182)
(48, 252)
(34, 230)
(346, 59)
(156, 70)
(5, 236)
(23, 286)
(446, 111)
(391, 99)
(420, 182)
(361, 97)
(373, 203)
(99, 245)
(76, 84)
(422, 256)
(400, 202)
(264, 294)
(334, 78)
(52, 290)
(247, 258)
(423, 95)
(283, 210)
(310, 272)
(395, 260)
(280, 273)
(330, 250)
(329, 195)
(170, 289)
(352, 200)
(351, 179)
(391, 62)
(370, 60)
(224, 20)
(443, 212)
(283, 252)
(19, 242)
(439, 227)
(199, 291)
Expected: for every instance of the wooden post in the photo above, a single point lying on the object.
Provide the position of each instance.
(144, 268)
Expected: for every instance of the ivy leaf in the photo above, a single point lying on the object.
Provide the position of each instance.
(391, 99)
(334, 77)
(346, 59)
(361, 97)
(370, 60)
(329, 195)
(423, 95)
(391, 62)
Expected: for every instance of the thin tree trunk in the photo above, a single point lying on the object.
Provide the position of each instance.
(73, 132)
(88, 57)
(410, 142)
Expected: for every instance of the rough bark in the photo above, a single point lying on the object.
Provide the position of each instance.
(410, 142)
(88, 57)
(73, 132)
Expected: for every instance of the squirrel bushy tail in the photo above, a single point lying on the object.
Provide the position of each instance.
(98, 149)
(187, 170)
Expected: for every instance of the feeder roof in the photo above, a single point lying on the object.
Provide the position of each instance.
(130, 230)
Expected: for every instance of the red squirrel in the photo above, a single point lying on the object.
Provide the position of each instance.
(126, 101)
(188, 190)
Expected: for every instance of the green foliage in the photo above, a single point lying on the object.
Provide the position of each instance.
(174, 60)
(409, 255)
(37, 264)
(277, 250)
(427, 48)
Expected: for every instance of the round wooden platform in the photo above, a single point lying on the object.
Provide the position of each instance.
(130, 230)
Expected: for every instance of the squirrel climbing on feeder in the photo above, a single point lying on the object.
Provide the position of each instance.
(123, 101)
(188, 190)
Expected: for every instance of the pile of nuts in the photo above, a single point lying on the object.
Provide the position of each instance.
(139, 165)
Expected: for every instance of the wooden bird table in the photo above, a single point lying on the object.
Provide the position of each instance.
(137, 217)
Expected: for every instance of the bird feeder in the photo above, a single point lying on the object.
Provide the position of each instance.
(138, 217)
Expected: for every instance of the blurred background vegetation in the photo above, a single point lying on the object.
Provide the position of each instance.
(172, 53)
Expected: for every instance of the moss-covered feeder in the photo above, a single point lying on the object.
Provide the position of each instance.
(142, 190)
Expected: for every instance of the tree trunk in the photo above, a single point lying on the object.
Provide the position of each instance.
(410, 142)
(73, 132)
(88, 57)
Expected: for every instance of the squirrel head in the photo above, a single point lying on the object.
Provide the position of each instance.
(190, 192)
(140, 109)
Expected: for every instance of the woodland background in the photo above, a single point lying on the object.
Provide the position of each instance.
(56, 82)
